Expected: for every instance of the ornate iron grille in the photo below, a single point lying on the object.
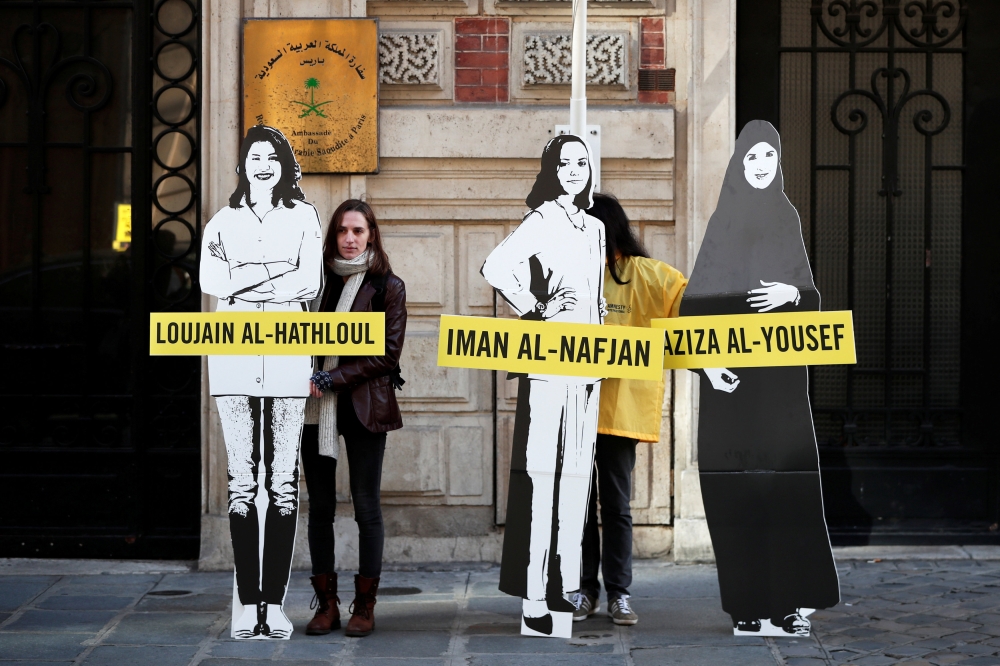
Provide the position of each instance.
(101, 444)
(870, 109)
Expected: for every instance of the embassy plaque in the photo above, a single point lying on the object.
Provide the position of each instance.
(316, 80)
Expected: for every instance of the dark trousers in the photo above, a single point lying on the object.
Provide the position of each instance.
(245, 420)
(614, 459)
(365, 452)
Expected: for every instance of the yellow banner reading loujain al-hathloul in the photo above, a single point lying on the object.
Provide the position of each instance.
(758, 340)
(550, 348)
(267, 333)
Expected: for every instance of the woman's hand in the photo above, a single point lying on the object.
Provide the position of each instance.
(217, 250)
(562, 301)
(722, 379)
(772, 295)
(602, 306)
(314, 390)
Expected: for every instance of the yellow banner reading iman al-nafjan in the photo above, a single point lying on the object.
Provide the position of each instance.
(267, 333)
(757, 340)
(550, 348)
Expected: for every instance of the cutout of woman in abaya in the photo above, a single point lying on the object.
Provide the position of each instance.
(262, 253)
(759, 465)
(551, 268)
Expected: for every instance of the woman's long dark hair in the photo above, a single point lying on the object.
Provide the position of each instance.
(285, 190)
(378, 263)
(547, 186)
(619, 240)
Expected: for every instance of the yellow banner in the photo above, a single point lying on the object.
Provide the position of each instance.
(550, 348)
(267, 333)
(757, 340)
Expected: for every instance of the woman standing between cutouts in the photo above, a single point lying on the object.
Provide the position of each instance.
(757, 455)
(551, 268)
(355, 397)
(262, 253)
(637, 289)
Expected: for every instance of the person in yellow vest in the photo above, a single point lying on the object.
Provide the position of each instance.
(637, 289)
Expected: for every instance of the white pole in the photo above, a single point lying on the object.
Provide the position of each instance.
(578, 96)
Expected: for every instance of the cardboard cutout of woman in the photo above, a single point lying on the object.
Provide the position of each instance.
(551, 268)
(262, 253)
(758, 461)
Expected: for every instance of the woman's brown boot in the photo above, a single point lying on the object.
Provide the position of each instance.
(362, 620)
(325, 602)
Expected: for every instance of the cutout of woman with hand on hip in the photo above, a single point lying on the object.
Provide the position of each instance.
(262, 253)
(551, 268)
(757, 455)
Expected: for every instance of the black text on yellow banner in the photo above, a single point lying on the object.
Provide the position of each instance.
(758, 340)
(267, 333)
(550, 348)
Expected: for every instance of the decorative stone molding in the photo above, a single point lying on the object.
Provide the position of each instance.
(410, 58)
(548, 58)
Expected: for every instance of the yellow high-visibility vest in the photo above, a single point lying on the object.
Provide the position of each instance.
(631, 407)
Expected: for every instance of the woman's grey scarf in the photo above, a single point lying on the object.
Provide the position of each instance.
(324, 410)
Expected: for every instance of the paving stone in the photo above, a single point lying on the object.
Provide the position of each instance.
(84, 602)
(245, 649)
(411, 644)
(946, 657)
(558, 660)
(41, 646)
(967, 637)
(162, 629)
(709, 656)
(527, 645)
(985, 661)
(906, 651)
(15, 593)
(874, 660)
(227, 661)
(921, 619)
(868, 645)
(77, 621)
(805, 661)
(320, 650)
(122, 655)
(193, 602)
(975, 649)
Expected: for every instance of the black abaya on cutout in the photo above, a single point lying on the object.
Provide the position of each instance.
(758, 462)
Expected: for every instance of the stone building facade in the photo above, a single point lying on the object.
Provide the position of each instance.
(470, 91)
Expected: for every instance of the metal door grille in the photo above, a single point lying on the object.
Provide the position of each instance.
(871, 123)
(98, 108)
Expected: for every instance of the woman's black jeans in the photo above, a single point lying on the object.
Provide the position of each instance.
(365, 451)
(614, 459)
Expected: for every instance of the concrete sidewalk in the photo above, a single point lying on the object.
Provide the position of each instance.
(898, 606)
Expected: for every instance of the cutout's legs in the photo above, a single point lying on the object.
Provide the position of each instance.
(282, 419)
(547, 405)
(580, 433)
(240, 416)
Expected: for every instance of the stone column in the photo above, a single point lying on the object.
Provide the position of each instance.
(705, 32)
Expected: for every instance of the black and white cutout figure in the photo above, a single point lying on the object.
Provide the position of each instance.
(759, 466)
(551, 268)
(262, 253)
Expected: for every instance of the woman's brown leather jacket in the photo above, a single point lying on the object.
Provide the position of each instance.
(369, 378)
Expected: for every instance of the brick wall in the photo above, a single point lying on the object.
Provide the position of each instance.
(653, 61)
(482, 57)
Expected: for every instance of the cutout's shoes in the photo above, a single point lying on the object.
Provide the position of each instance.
(747, 625)
(542, 625)
(262, 628)
(794, 624)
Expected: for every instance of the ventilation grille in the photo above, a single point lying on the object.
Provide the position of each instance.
(656, 79)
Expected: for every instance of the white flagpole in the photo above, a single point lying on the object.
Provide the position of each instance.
(578, 96)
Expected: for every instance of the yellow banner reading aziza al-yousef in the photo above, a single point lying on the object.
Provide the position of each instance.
(759, 340)
(267, 333)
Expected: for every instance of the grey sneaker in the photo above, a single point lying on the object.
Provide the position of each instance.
(621, 612)
(586, 605)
